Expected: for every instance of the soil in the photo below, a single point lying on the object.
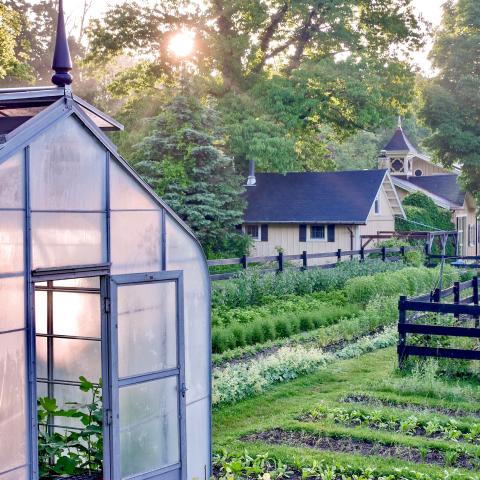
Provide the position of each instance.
(370, 400)
(355, 446)
(87, 476)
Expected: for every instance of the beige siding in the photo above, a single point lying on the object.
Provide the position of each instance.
(427, 168)
(383, 222)
(469, 213)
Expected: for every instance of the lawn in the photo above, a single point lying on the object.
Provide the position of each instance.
(360, 413)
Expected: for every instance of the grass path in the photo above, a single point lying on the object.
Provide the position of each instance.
(281, 406)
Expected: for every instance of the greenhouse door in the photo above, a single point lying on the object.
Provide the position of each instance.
(147, 376)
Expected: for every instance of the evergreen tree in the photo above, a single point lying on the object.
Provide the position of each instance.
(182, 160)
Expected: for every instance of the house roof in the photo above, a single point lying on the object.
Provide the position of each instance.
(443, 186)
(310, 197)
(400, 143)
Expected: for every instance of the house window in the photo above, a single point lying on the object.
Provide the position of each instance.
(253, 231)
(397, 165)
(317, 232)
(418, 172)
(377, 206)
(471, 235)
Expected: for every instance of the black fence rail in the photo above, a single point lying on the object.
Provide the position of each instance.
(465, 310)
(281, 259)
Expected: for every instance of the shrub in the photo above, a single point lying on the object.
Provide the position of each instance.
(268, 328)
(251, 287)
(409, 281)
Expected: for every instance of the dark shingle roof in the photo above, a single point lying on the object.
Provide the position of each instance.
(445, 186)
(399, 142)
(310, 197)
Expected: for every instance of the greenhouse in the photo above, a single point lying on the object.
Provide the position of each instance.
(104, 326)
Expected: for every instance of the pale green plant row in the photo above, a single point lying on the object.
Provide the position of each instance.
(239, 466)
(408, 425)
(242, 380)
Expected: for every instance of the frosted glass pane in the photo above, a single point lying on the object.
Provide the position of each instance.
(65, 239)
(92, 282)
(12, 301)
(198, 438)
(67, 169)
(149, 433)
(42, 370)
(136, 242)
(11, 182)
(11, 242)
(41, 312)
(13, 408)
(65, 394)
(183, 253)
(20, 474)
(126, 193)
(147, 332)
(74, 358)
(76, 314)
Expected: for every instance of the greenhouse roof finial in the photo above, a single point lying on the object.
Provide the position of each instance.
(62, 62)
(399, 121)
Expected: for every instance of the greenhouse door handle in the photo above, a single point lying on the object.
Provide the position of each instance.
(183, 390)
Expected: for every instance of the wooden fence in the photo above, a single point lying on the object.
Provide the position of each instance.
(465, 310)
(304, 258)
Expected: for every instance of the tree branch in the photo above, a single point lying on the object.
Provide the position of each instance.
(302, 37)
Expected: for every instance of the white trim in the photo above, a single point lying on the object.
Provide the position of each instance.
(259, 231)
(309, 235)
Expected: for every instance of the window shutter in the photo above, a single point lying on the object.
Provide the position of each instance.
(331, 233)
(302, 233)
(264, 235)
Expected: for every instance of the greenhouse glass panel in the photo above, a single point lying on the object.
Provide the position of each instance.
(18, 474)
(13, 405)
(11, 181)
(67, 169)
(12, 301)
(126, 193)
(64, 239)
(136, 241)
(147, 327)
(11, 242)
(149, 431)
(76, 314)
(86, 361)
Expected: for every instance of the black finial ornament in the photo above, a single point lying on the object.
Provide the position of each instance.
(62, 62)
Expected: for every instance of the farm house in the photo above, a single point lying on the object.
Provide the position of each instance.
(103, 289)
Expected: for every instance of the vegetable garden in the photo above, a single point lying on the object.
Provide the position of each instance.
(306, 382)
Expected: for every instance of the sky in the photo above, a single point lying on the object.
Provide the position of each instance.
(431, 10)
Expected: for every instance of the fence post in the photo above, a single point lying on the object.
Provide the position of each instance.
(339, 254)
(475, 298)
(402, 251)
(362, 254)
(437, 295)
(384, 254)
(305, 259)
(244, 262)
(402, 337)
(456, 297)
(280, 261)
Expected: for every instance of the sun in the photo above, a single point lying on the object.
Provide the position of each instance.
(182, 43)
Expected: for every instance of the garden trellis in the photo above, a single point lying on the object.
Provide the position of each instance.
(99, 279)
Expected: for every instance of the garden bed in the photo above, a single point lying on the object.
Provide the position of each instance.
(363, 447)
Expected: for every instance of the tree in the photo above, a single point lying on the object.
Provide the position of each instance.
(452, 98)
(10, 27)
(280, 70)
(182, 160)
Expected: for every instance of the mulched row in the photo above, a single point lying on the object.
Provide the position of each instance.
(375, 401)
(355, 446)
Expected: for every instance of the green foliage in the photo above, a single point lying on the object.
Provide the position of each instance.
(263, 329)
(182, 160)
(421, 209)
(407, 425)
(409, 281)
(452, 98)
(252, 288)
(10, 28)
(72, 451)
